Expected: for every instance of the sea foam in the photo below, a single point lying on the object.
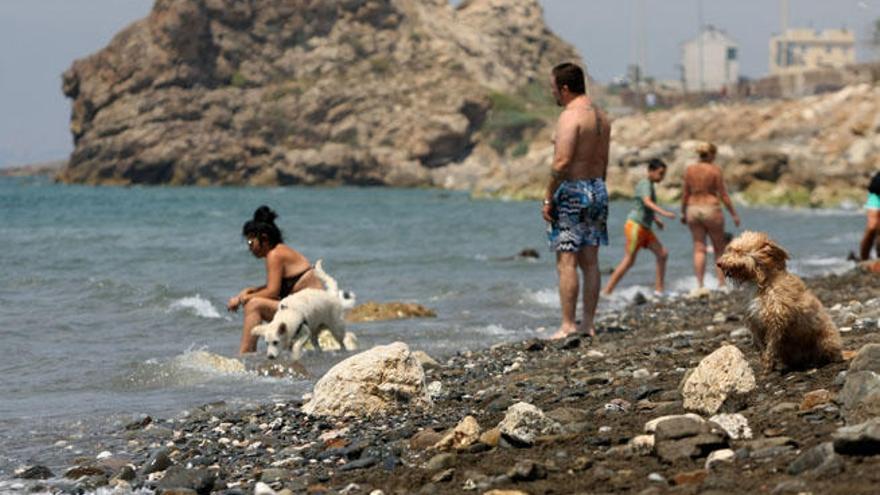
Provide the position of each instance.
(196, 305)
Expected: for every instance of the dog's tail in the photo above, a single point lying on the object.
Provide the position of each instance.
(329, 282)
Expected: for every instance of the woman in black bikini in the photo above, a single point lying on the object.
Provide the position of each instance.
(287, 271)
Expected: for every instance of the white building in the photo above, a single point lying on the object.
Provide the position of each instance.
(710, 61)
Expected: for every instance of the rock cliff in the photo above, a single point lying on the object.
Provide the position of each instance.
(388, 92)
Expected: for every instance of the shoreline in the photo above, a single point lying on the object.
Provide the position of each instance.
(51, 170)
(636, 363)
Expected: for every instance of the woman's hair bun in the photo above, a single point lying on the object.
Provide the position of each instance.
(706, 149)
(265, 214)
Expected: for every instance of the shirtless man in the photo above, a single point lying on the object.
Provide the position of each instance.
(576, 202)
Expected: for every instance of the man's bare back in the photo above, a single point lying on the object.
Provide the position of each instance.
(590, 129)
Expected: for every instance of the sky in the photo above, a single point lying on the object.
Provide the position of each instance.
(39, 39)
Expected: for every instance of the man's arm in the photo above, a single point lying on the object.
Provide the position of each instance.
(563, 154)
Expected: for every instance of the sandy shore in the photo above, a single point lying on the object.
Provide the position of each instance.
(601, 392)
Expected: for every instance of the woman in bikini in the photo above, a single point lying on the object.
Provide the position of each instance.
(287, 271)
(703, 193)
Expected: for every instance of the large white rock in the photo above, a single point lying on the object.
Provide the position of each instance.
(736, 425)
(523, 422)
(372, 382)
(722, 378)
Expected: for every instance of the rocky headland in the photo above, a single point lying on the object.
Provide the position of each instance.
(414, 93)
(670, 398)
(260, 92)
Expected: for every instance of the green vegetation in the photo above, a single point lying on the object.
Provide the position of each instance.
(514, 118)
(238, 80)
(381, 65)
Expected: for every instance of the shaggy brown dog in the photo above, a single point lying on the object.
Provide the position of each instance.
(789, 324)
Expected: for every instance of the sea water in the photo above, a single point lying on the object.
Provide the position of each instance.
(112, 299)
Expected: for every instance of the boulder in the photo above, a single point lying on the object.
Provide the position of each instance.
(372, 382)
(523, 423)
(859, 440)
(722, 380)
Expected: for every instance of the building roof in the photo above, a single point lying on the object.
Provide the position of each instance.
(711, 33)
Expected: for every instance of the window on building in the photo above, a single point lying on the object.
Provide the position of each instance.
(731, 53)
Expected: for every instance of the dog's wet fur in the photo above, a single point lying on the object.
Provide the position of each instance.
(302, 315)
(788, 323)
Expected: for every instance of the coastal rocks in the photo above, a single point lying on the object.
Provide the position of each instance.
(37, 472)
(372, 382)
(523, 423)
(374, 311)
(723, 379)
(860, 396)
(818, 461)
(686, 437)
(858, 440)
(273, 92)
(201, 481)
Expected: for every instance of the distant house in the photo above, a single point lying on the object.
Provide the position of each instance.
(710, 61)
(807, 49)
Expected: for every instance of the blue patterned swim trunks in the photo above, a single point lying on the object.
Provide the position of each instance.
(581, 215)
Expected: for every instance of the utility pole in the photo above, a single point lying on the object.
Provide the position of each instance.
(700, 43)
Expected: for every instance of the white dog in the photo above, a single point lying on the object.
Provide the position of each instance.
(303, 314)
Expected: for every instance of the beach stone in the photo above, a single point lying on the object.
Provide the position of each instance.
(523, 422)
(443, 476)
(783, 407)
(689, 477)
(261, 488)
(78, 472)
(736, 425)
(158, 461)
(819, 460)
(722, 380)
(491, 437)
(527, 470)
(651, 426)
(683, 437)
(791, 486)
(424, 439)
(722, 456)
(858, 440)
(441, 461)
(200, 481)
(816, 398)
(272, 475)
(678, 427)
(465, 434)
(372, 382)
(505, 492)
(35, 473)
(375, 311)
(740, 333)
(642, 444)
(427, 362)
(860, 396)
(866, 359)
(363, 462)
